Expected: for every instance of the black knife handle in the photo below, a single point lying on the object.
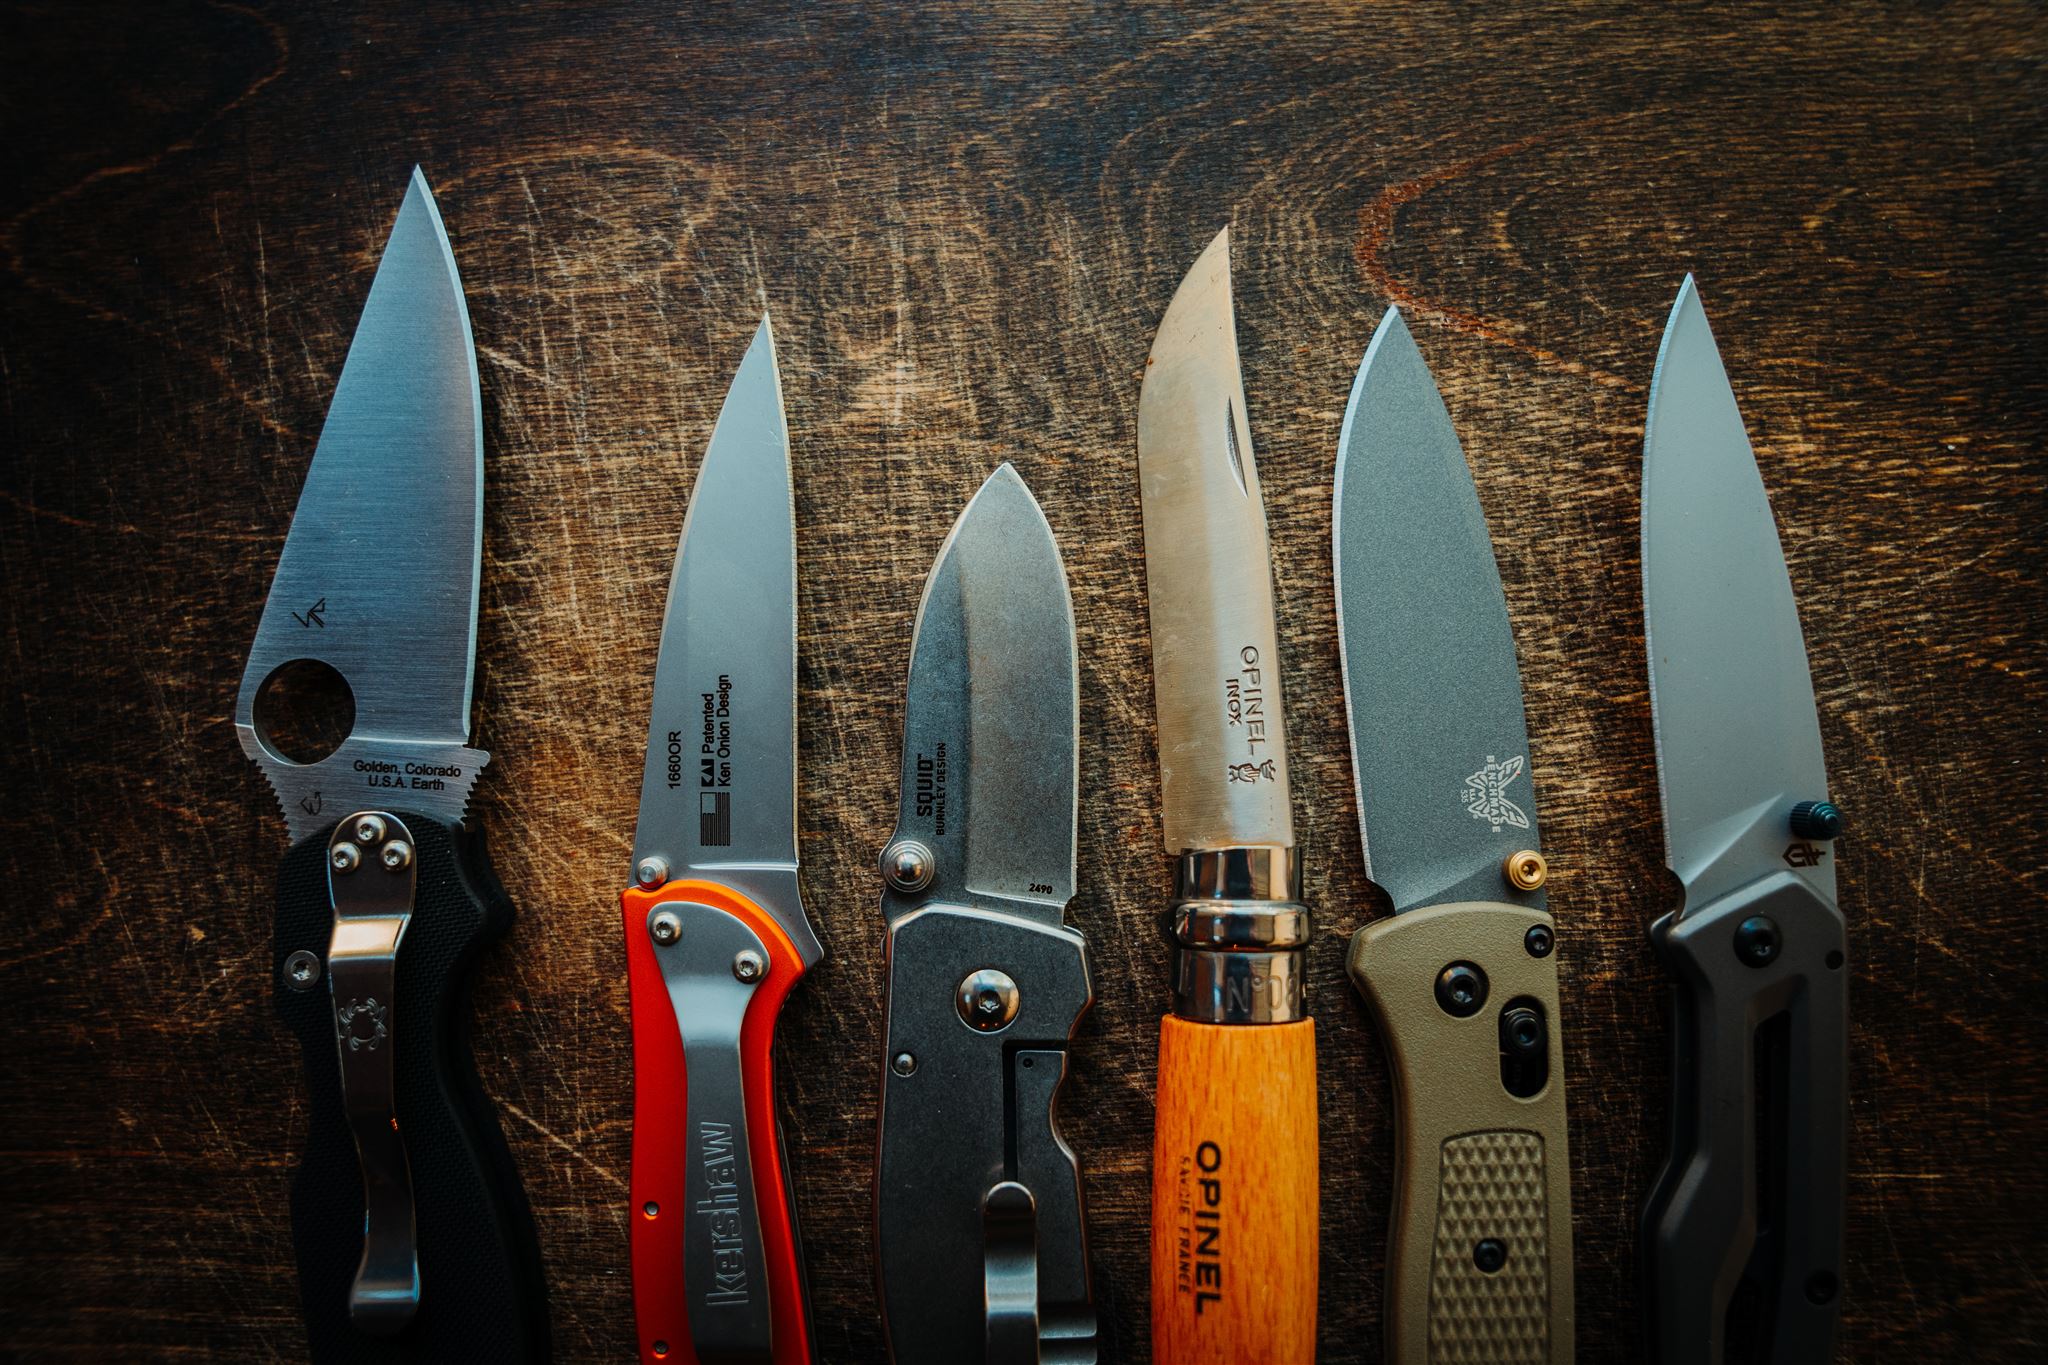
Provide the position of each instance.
(1750, 1197)
(482, 1296)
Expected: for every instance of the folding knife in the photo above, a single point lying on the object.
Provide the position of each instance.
(413, 1238)
(982, 1258)
(1234, 1192)
(1462, 978)
(1747, 1212)
(716, 935)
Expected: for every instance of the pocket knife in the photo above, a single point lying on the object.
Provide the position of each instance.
(1234, 1193)
(982, 1257)
(412, 1235)
(1747, 1212)
(1462, 977)
(716, 934)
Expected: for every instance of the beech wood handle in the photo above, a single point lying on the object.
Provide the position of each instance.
(1235, 1195)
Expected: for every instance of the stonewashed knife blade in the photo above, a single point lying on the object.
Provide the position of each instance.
(1462, 978)
(1752, 1186)
(982, 1254)
(1234, 1197)
(716, 935)
(374, 603)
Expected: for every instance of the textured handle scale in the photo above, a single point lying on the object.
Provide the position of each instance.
(1235, 1194)
(660, 1210)
(482, 1296)
(1752, 1188)
(1479, 1252)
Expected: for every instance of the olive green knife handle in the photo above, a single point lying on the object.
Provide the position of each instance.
(1479, 1256)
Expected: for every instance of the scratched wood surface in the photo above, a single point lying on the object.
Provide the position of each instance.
(966, 222)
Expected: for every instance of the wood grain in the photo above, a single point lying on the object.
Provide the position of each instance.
(1234, 1210)
(966, 220)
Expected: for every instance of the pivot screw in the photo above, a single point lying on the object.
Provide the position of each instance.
(1490, 1254)
(344, 857)
(396, 855)
(301, 970)
(1817, 820)
(903, 1063)
(369, 829)
(748, 965)
(651, 872)
(1539, 940)
(1525, 870)
(1758, 941)
(1461, 990)
(907, 865)
(665, 927)
(987, 1000)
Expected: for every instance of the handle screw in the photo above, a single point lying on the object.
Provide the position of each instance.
(1817, 820)
(344, 858)
(665, 927)
(369, 829)
(396, 855)
(903, 1063)
(907, 865)
(301, 970)
(1539, 940)
(1490, 1254)
(1525, 870)
(1461, 990)
(987, 1000)
(1757, 941)
(747, 965)
(651, 872)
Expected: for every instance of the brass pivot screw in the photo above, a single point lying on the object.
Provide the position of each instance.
(1525, 870)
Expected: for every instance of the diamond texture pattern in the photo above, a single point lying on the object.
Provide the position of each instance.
(1491, 1186)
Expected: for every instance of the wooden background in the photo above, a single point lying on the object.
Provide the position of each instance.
(967, 220)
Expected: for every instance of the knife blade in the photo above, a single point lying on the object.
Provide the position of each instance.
(1234, 1190)
(716, 935)
(981, 1249)
(1752, 1186)
(411, 1232)
(1461, 978)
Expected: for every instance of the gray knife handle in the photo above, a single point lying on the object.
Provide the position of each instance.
(1752, 1188)
(973, 1179)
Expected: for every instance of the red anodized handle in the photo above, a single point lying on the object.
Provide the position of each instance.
(660, 1133)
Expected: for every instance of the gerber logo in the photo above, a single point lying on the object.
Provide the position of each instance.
(1803, 854)
(1485, 795)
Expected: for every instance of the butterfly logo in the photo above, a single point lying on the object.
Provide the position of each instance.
(1485, 795)
(1252, 772)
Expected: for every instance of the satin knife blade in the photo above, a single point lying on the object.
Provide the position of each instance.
(716, 935)
(982, 1255)
(411, 1232)
(1234, 1189)
(1752, 1186)
(1462, 978)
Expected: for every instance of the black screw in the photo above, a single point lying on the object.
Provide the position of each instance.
(1820, 1287)
(1817, 820)
(1490, 1255)
(1539, 940)
(1757, 941)
(1461, 990)
(1521, 1032)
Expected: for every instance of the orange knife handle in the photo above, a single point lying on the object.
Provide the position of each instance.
(698, 1289)
(1235, 1194)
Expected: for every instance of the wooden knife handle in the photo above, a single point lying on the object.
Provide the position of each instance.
(1479, 1256)
(1235, 1194)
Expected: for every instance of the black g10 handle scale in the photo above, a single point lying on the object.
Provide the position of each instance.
(1748, 1206)
(413, 1237)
